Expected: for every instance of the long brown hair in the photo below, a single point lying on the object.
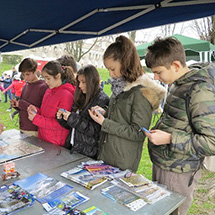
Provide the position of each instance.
(124, 51)
(92, 87)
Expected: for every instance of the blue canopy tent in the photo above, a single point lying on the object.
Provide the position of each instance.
(28, 24)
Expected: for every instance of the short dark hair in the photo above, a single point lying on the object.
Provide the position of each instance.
(28, 64)
(164, 51)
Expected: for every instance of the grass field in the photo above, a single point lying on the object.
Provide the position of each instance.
(203, 203)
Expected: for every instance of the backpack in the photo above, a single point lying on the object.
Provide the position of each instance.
(209, 161)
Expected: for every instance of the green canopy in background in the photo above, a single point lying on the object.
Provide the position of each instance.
(198, 50)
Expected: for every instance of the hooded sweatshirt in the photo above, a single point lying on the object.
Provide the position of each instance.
(48, 127)
(121, 140)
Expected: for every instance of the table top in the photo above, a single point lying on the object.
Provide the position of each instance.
(55, 160)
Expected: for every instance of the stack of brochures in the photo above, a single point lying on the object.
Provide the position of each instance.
(141, 186)
(84, 178)
(55, 196)
(14, 198)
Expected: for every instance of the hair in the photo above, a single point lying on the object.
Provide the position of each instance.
(69, 63)
(164, 51)
(124, 51)
(28, 64)
(92, 84)
(54, 67)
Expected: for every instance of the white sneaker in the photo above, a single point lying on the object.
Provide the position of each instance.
(11, 116)
(8, 110)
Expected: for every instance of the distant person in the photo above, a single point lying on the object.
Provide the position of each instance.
(58, 95)
(32, 93)
(7, 81)
(15, 79)
(175, 150)
(134, 97)
(14, 72)
(1, 128)
(18, 89)
(69, 62)
(84, 132)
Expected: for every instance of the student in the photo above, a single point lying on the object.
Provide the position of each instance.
(32, 93)
(7, 81)
(176, 152)
(68, 62)
(134, 97)
(84, 132)
(58, 95)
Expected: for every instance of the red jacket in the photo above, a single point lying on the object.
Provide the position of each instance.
(49, 128)
(18, 88)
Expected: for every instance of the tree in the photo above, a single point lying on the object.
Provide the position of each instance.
(205, 28)
(76, 48)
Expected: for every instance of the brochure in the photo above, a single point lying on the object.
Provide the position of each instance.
(102, 169)
(12, 149)
(93, 210)
(135, 180)
(129, 199)
(43, 187)
(83, 177)
(13, 198)
(65, 203)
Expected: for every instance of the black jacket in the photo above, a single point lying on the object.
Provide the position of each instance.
(87, 131)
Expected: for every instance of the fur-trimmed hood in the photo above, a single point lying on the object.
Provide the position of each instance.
(151, 90)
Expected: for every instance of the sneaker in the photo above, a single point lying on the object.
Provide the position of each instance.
(8, 110)
(11, 116)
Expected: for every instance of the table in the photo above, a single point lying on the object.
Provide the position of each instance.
(56, 160)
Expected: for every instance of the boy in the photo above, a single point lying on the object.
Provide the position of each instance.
(176, 152)
(32, 93)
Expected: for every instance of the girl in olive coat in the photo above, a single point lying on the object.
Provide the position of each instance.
(134, 97)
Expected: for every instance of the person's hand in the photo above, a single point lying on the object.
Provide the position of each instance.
(96, 115)
(4, 91)
(62, 113)
(1, 128)
(14, 103)
(99, 109)
(32, 111)
(159, 137)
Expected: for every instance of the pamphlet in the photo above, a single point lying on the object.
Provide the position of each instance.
(102, 169)
(43, 187)
(83, 177)
(12, 149)
(135, 180)
(124, 197)
(93, 210)
(65, 203)
(13, 198)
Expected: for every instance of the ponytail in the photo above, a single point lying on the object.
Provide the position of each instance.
(68, 75)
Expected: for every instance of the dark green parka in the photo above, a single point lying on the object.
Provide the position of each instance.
(121, 140)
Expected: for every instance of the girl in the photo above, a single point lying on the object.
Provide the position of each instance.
(84, 132)
(58, 95)
(134, 97)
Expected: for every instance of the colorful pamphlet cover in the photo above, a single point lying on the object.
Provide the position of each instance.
(65, 203)
(93, 210)
(102, 169)
(43, 187)
(135, 180)
(13, 198)
(84, 178)
(129, 199)
(12, 149)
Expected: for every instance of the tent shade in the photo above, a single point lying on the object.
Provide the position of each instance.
(29, 24)
(192, 47)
